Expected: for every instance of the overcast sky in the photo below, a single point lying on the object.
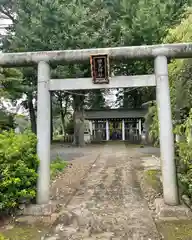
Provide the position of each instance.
(4, 23)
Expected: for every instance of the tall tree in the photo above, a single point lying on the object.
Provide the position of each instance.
(143, 23)
(180, 70)
(74, 24)
(10, 83)
(10, 79)
(179, 76)
(96, 99)
(7, 8)
(65, 25)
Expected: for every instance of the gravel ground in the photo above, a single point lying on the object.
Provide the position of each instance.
(69, 153)
(149, 151)
(67, 183)
(108, 203)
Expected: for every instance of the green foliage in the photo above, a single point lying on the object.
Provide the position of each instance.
(89, 24)
(152, 178)
(142, 23)
(18, 169)
(2, 237)
(57, 166)
(66, 25)
(96, 99)
(152, 121)
(10, 80)
(6, 120)
(69, 129)
(180, 70)
(184, 155)
(179, 76)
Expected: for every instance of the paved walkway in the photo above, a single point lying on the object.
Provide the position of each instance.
(109, 204)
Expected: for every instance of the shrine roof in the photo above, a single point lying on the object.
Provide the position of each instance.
(115, 113)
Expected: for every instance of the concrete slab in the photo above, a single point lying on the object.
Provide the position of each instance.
(166, 212)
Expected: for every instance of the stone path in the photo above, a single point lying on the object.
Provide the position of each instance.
(109, 204)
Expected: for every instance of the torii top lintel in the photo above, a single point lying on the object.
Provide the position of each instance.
(178, 50)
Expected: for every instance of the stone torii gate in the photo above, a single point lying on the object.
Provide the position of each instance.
(160, 54)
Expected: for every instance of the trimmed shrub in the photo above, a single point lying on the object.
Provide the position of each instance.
(184, 168)
(18, 169)
(2, 237)
(184, 156)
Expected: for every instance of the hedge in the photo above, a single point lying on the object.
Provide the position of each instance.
(18, 169)
(184, 156)
(183, 149)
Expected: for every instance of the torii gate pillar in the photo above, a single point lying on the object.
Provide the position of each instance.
(170, 191)
(43, 132)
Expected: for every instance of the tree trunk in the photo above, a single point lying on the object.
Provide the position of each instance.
(79, 128)
(78, 118)
(62, 114)
(65, 110)
(32, 113)
(75, 137)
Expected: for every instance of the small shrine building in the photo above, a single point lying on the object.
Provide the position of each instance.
(116, 124)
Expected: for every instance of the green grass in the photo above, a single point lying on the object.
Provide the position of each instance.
(23, 233)
(2, 237)
(57, 166)
(175, 230)
(170, 230)
(152, 178)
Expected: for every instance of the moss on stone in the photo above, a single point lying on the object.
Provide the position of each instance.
(175, 230)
